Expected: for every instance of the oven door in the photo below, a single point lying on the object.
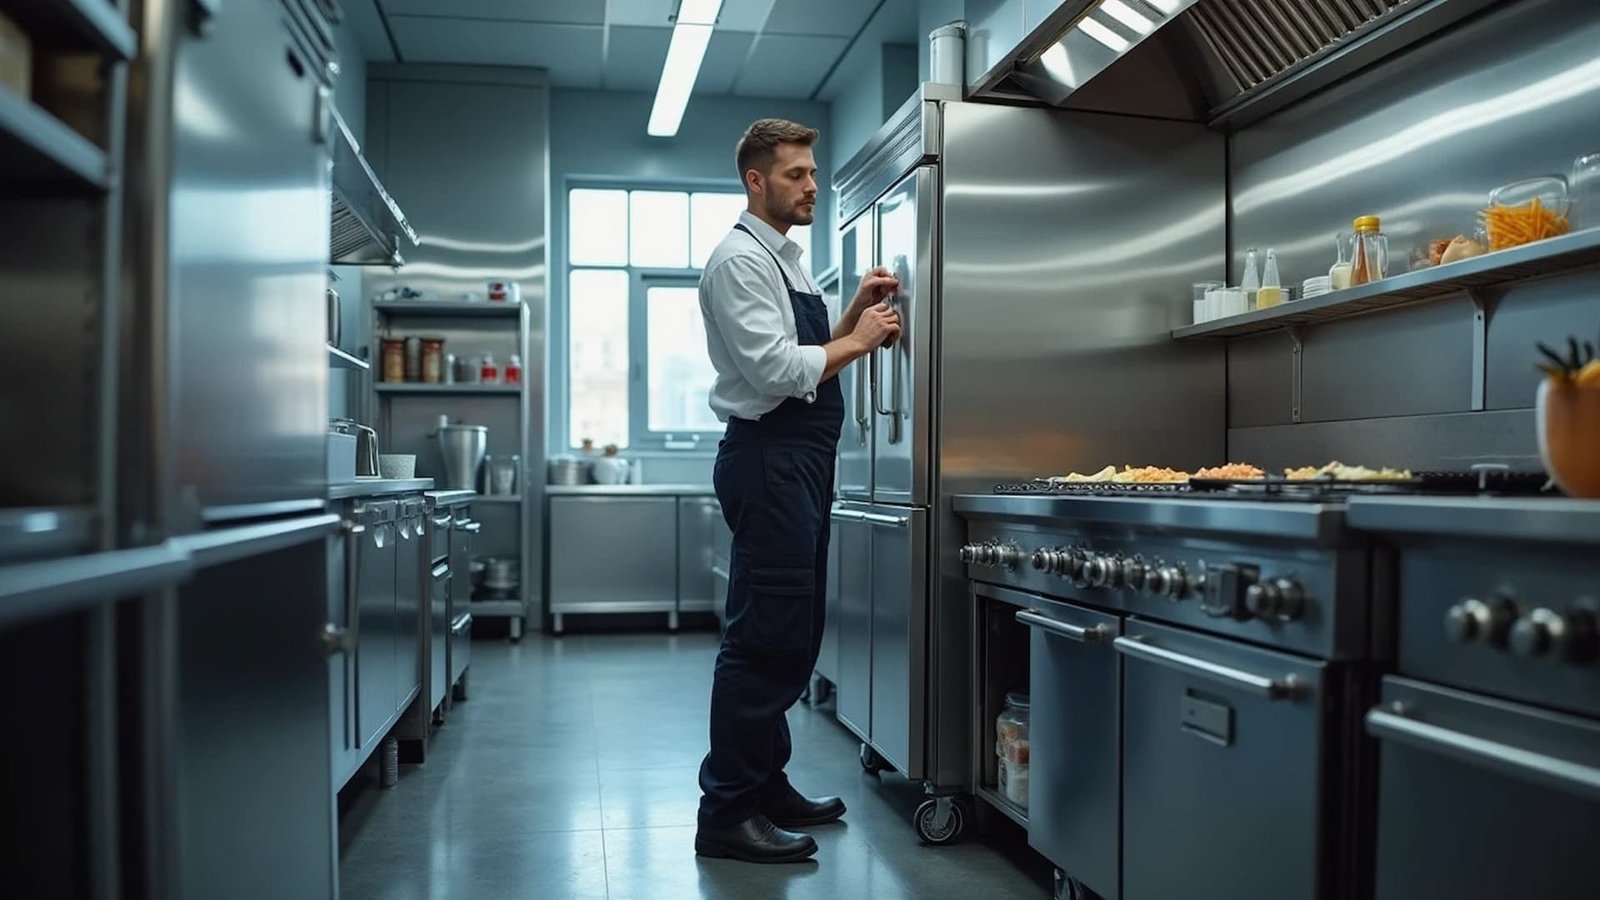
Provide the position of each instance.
(1222, 767)
(1481, 798)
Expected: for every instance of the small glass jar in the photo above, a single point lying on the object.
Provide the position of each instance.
(394, 359)
(488, 372)
(1011, 745)
(1369, 258)
(433, 371)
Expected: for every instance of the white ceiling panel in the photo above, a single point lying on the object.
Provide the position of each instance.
(836, 18)
(787, 65)
(634, 57)
(572, 12)
(571, 53)
(724, 61)
(736, 15)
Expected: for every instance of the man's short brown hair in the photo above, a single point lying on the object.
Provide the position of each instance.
(758, 146)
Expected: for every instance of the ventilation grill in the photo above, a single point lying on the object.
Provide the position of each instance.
(1259, 39)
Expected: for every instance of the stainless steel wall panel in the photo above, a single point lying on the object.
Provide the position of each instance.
(1410, 362)
(1421, 139)
(1261, 381)
(1059, 294)
(1547, 311)
(1448, 442)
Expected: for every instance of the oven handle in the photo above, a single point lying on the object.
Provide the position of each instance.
(1285, 688)
(1092, 634)
(1504, 758)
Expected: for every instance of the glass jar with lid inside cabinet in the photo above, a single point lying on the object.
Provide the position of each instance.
(1011, 745)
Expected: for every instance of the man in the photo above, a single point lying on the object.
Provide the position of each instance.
(777, 363)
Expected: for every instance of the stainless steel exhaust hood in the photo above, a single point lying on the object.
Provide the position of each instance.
(1223, 62)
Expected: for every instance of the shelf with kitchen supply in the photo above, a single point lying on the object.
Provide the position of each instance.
(1553, 256)
(442, 383)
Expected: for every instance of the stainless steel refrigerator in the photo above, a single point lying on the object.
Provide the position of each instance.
(1043, 256)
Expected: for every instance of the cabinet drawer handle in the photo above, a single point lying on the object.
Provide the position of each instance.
(1092, 634)
(1283, 688)
(1561, 774)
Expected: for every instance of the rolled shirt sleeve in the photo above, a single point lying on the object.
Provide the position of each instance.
(747, 314)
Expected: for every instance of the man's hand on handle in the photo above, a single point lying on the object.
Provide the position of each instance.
(877, 285)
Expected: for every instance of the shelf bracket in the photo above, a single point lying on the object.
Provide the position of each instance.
(1296, 370)
(1483, 302)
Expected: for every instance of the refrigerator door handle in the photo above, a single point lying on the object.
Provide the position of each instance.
(877, 384)
(896, 366)
(861, 414)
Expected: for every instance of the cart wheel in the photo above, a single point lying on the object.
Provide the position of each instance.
(938, 821)
(871, 761)
(1069, 888)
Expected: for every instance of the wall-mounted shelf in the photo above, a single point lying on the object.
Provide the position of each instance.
(1537, 260)
(498, 498)
(93, 25)
(407, 387)
(448, 308)
(339, 359)
(37, 148)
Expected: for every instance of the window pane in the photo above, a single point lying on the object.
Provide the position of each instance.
(597, 234)
(659, 225)
(597, 350)
(680, 373)
(710, 218)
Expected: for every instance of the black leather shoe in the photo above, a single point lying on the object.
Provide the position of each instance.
(755, 840)
(796, 811)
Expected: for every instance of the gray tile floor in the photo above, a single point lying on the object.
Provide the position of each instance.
(571, 774)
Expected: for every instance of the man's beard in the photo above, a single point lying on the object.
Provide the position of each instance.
(793, 214)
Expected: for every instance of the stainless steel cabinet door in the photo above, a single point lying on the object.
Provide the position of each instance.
(375, 623)
(854, 704)
(613, 554)
(902, 387)
(855, 443)
(697, 521)
(1221, 774)
(899, 634)
(439, 636)
(1480, 798)
(1074, 802)
(411, 597)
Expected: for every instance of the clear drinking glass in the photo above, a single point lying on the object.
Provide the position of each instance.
(1585, 188)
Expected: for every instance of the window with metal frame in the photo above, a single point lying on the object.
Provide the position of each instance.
(637, 373)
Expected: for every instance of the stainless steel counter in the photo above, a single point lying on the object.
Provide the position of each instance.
(442, 499)
(1556, 519)
(371, 487)
(1318, 522)
(630, 490)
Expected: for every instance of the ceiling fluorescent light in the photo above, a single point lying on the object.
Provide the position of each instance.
(677, 77)
(1115, 42)
(699, 12)
(1127, 15)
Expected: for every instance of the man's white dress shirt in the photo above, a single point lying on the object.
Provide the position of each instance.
(750, 329)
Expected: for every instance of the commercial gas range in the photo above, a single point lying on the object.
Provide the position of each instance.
(1198, 667)
(1490, 724)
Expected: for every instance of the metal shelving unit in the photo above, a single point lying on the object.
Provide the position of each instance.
(1537, 260)
(448, 308)
(37, 148)
(412, 387)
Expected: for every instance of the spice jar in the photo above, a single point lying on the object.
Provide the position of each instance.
(514, 370)
(394, 359)
(488, 372)
(1011, 745)
(433, 360)
(1369, 252)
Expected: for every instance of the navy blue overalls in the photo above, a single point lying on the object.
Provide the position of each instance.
(774, 478)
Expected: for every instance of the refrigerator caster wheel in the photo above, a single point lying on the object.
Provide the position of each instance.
(871, 761)
(939, 821)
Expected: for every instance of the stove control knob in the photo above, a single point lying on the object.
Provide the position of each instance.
(1134, 573)
(1073, 562)
(1102, 571)
(1043, 560)
(1007, 556)
(1474, 621)
(1166, 581)
(1545, 632)
(1282, 599)
(969, 553)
